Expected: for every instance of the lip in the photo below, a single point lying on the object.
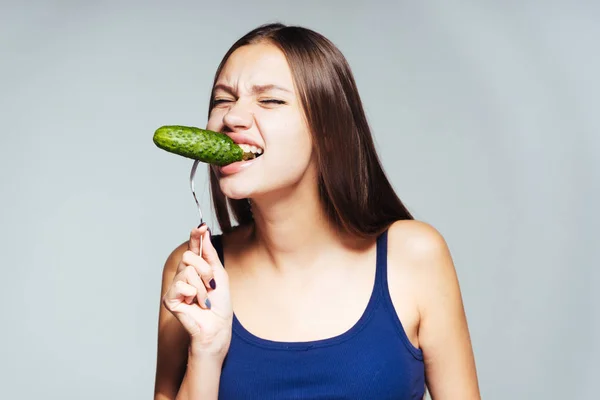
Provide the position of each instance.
(241, 138)
(235, 167)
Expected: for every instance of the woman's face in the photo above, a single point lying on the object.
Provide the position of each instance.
(256, 103)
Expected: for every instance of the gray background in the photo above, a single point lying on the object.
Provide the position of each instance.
(484, 114)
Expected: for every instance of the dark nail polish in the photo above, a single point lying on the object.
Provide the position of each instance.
(207, 303)
(213, 284)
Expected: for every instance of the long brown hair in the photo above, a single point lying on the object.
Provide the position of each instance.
(354, 190)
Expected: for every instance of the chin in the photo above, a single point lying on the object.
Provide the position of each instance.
(236, 190)
(253, 183)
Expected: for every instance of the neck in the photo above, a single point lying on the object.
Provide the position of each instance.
(291, 228)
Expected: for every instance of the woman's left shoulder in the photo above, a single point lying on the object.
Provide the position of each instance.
(417, 241)
(418, 252)
(420, 265)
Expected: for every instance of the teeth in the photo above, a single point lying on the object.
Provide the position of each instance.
(250, 148)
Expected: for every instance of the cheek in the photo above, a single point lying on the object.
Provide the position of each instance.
(286, 133)
(215, 120)
(290, 151)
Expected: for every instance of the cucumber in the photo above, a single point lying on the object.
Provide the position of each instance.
(199, 144)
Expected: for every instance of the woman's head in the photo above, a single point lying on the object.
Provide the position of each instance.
(290, 91)
(255, 102)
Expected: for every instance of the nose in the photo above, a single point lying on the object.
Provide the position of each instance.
(238, 117)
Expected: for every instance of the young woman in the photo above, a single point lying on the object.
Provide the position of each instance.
(337, 291)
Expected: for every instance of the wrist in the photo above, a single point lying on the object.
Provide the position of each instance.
(202, 376)
(199, 354)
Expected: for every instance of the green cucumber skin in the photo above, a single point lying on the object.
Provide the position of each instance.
(198, 144)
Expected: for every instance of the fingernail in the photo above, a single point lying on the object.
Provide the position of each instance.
(207, 303)
(213, 284)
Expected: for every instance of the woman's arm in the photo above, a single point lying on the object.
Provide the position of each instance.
(179, 372)
(173, 340)
(443, 334)
(193, 337)
(201, 380)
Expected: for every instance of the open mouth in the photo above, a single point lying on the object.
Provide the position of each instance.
(250, 152)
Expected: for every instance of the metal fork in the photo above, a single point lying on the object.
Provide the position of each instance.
(192, 175)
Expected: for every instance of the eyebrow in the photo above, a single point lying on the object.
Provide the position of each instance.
(255, 88)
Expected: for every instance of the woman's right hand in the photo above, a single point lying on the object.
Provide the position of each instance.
(199, 297)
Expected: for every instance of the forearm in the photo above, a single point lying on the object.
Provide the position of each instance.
(201, 380)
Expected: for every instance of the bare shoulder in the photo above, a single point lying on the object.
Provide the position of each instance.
(419, 255)
(416, 252)
(419, 260)
(419, 241)
(420, 250)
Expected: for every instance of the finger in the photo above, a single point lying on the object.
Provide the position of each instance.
(193, 279)
(172, 301)
(195, 234)
(202, 268)
(179, 292)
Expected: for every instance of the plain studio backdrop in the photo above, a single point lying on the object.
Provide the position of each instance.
(485, 115)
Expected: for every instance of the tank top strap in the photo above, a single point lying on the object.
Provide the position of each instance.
(217, 242)
(383, 290)
(381, 281)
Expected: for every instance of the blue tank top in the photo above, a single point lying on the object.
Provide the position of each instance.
(372, 360)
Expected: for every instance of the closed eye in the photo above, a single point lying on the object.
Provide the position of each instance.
(272, 101)
(216, 102)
